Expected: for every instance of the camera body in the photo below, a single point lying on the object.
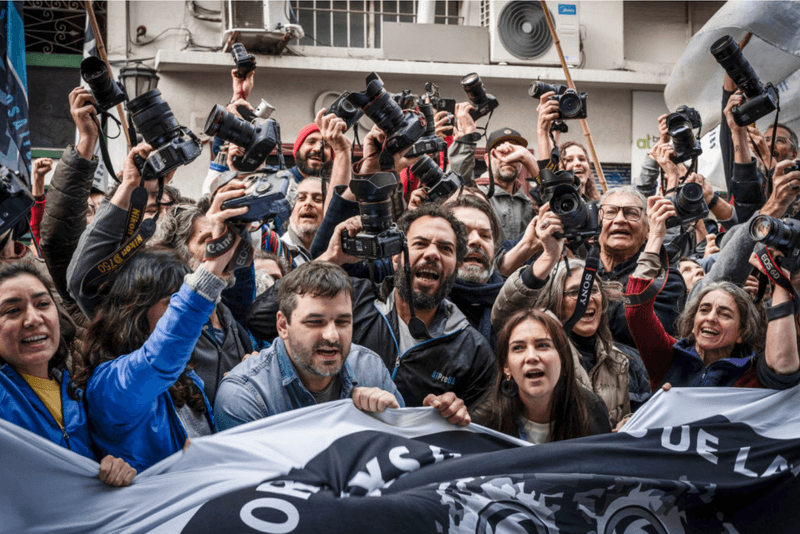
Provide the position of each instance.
(681, 126)
(429, 143)
(15, 199)
(173, 145)
(436, 182)
(689, 204)
(343, 109)
(760, 100)
(476, 92)
(107, 93)
(571, 104)
(561, 189)
(244, 62)
(266, 198)
(380, 237)
(402, 129)
(258, 138)
(792, 168)
(781, 234)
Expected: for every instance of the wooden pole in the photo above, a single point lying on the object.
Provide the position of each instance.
(571, 85)
(101, 49)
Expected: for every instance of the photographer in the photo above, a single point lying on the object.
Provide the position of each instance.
(454, 356)
(65, 213)
(223, 342)
(622, 239)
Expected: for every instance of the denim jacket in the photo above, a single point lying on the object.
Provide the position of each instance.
(268, 384)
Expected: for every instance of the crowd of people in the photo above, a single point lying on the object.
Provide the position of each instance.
(486, 315)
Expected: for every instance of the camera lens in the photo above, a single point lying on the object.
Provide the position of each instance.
(427, 171)
(537, 89)
(374, 204)
(570, 105)
(473, 85)
(95, 73)
(728, 55)
(229, 127)
(153, 118)
(690, 196)
(771, 231)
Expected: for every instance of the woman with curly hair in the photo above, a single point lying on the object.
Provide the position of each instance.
(144, 399)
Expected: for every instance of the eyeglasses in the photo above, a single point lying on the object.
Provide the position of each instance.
(631, 213)
(573, 293)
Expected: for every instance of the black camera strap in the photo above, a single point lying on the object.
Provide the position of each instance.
(774, 275)
(101, 139)
(585, 293)
(416, 326)
(137, 232)
(221, 245)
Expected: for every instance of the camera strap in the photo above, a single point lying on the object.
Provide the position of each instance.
(585, 292)
(416, 326)
(656, 285)
(774, 275)
(137, 232)
(101, 139)
(221, 245)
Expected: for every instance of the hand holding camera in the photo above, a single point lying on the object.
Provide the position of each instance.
(785, 188)
(83, 115)
(659, 211)
(334, 253)
(465, 124)
(332, 129)
(443, 123)
(548, 113)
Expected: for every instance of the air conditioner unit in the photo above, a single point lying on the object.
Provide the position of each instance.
(260, 23)
(518, 32)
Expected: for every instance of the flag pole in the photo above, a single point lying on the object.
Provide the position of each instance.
(101, 50)
(571, 85)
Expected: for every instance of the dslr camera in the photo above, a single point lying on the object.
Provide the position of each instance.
(380, 237)
(579, 218)
(15, 199)
(689, 204)
(571, 104)
(792, 168)
(346, 111)
(402, 129)
(107, 93)
(760, 100)
(436, 182)
(266, 198)
(439, 103)
(173, 145)
(681, 126)
(476, 92)
(245, 63)
(258, 138)
(429, 143)
(781, 234)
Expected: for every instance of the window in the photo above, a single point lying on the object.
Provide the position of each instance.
(357, 23)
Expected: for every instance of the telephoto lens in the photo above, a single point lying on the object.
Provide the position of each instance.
(476, 92)
(537, 89)
(228, 126)
(774, 232)
(437, 184)
(107, 93)
(728, 55)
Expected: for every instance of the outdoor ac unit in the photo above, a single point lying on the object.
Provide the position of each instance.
(259, 23)
(518, 32)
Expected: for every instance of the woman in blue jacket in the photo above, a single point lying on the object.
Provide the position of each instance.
(35, 341)
(144, 399)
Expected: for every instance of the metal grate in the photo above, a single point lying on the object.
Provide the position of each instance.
(57, 27)
(357, 23)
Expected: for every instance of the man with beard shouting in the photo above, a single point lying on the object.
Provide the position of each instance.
(304, 221)
(450, 356)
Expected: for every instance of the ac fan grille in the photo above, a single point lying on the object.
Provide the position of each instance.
(523, 30)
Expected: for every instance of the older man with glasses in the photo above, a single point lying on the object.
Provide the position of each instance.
(624, 216)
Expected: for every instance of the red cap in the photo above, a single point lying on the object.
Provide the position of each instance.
(305, 132)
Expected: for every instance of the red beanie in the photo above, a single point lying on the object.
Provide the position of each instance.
(305, 132)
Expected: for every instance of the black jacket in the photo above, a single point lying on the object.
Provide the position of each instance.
(457, 358)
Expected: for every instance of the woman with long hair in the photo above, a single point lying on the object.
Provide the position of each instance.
(536, 396)
(721, 329)
(611, 370)
(36, 340)
(144, 400)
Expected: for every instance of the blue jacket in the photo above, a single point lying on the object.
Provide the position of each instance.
(20, 405)
(268, 384)
(130, 409)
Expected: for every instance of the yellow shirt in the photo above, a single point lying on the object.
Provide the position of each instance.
(49, 392)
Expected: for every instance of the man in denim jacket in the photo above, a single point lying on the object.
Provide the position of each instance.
(312, 360)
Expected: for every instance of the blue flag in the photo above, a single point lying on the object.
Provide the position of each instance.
(15, 142)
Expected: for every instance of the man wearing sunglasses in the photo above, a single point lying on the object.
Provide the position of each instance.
(623, 211)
